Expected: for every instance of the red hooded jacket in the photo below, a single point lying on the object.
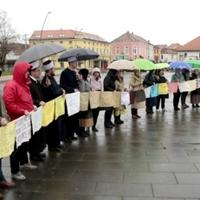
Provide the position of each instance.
(16, 94)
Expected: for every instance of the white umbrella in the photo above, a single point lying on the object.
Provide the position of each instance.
(122, 65)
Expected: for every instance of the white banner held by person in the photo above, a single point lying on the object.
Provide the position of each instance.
(36, 119)
(23, 130)
(73, 103)
(125, 98)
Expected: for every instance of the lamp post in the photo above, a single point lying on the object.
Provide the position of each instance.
(44, 24)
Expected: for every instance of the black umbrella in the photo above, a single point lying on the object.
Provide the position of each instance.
(40, 51)
(79, 53)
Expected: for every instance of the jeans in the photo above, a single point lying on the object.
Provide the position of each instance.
(2, 178)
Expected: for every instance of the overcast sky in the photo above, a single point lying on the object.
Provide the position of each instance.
(160, 21)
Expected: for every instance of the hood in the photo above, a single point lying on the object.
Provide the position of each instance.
(20, 69)
(96, 69)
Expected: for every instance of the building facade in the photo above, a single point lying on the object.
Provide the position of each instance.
(75, 39)
(190, 50)
(130, 46)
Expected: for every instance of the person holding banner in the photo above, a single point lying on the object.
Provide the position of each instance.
(38, 140)
(51, 90)
(96, 85)
(178, 78)
(85, 117)
(69, 82)
(186, 75)
(4, 184)
(18, 102)
(138, 93)
(161, 97)
(119, 86)
(195, 95)
(109, 85)
(150, 80)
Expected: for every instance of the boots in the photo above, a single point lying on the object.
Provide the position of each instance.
(118, 120)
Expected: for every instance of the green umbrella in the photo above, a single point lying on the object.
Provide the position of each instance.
(144, 64)
(194, 63)
(161, 65)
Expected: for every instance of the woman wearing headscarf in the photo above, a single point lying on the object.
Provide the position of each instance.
(136, 85)
(96, 85)
(86, 118)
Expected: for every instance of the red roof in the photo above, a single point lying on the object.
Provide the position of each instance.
(174, 46)
(193, 45)
(58, 34)
(129, 37)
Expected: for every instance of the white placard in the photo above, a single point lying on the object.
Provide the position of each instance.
(125, 98)
(36, 119)
(23, 130)
(73, 103)
(147, 92)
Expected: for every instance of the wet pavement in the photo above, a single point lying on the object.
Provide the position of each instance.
(155, 157)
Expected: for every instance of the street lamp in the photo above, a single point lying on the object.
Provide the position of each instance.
(44, 24)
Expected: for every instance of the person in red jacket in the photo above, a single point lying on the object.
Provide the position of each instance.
(18, 102)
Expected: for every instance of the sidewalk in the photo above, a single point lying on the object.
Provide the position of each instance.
(155, 157)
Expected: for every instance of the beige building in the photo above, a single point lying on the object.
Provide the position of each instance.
(75, 39)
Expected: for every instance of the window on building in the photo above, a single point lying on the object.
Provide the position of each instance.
(126, 50)
(62, 35)
(61, 42)
(134, 50)
(117, 50)
(70, 42)
(49, 36)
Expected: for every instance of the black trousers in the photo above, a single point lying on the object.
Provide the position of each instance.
(38, 142)
(72, 125)
(53, 134)
(95, 113)
(19, 157)
(134, 111)
(176, 99)
(183, 98)
(108, 116)
(160, 99)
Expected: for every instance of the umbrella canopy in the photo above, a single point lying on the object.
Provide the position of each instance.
(144, 64)
(79, 53)
(161, 65)
(40, 51)
(180, 65)
(194, 63)
(122, 65)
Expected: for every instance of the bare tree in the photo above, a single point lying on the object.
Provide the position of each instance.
(7, 35)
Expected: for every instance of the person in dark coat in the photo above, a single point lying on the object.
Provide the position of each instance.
(150, 80)
(38, 140)
(69, 82)
(195, 95)
(186, 75)
(109, 85)
(161, 98)
(52, 90)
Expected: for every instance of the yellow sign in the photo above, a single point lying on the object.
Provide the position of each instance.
(7, 139)
(48, 113)
(59, 106)
(163, 88)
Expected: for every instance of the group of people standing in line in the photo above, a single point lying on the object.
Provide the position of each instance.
(27, 91)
